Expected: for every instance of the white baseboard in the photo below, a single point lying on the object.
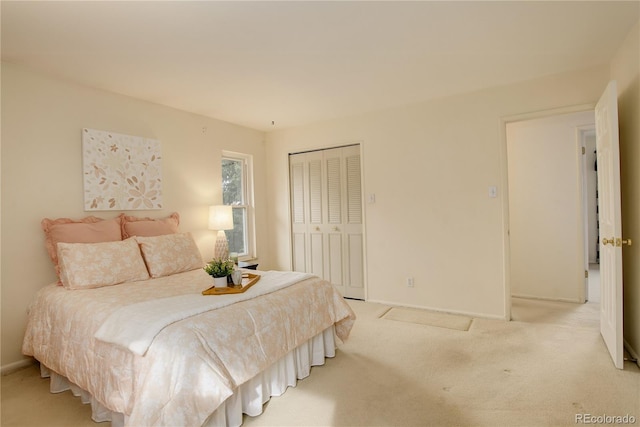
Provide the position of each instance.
(16, 366)
(547, 299)
(632, 352)
(439, 310)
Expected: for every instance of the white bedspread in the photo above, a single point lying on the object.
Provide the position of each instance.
(134, 326)
(193, 364)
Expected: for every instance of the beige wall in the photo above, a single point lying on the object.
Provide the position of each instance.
(42, 120)
(625, 68)
(547, 239)
(430, 167)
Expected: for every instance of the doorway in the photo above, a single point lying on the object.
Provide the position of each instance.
(587, 137)
(550, 241)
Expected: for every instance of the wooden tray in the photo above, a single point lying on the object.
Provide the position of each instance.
(248, 280)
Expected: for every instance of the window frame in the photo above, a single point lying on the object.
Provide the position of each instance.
(248, 198)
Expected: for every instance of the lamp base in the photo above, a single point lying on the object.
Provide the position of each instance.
(221, 250)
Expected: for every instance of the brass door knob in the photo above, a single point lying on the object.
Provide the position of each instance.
(617, 242)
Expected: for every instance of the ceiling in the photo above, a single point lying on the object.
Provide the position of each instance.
(295, 63)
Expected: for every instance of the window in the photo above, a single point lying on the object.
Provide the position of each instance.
(237, 191)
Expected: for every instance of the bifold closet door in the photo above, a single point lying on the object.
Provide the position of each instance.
(326, 204)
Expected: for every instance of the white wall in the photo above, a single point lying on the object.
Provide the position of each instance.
(42, 119)
(546, 229)
(430, 167)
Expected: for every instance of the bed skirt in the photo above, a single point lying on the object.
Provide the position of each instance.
(248, 399)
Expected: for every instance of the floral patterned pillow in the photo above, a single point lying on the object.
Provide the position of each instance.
(170, 254)
(86, 230)
(93, 265)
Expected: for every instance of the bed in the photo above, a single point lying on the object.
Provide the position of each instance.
(152, 350)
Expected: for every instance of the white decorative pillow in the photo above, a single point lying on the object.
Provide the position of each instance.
(93, 265)
(170, 254)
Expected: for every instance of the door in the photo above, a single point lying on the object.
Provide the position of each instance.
(545, 190)
(326, 212)
(608, 158)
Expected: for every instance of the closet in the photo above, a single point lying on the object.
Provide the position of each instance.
(326, 216)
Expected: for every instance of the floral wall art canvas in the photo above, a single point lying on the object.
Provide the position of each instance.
(121, 172)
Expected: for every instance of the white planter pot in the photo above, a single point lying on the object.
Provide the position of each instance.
(220, 282)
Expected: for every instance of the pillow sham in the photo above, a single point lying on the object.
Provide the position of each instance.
(149, 227)
(93, 265)
(170, 254)
(86, 230)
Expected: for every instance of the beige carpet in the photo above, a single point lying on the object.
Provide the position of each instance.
(430, 318)
(556, 313)
(404, 374)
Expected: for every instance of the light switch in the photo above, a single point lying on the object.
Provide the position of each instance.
(493, 191)
(371, 198)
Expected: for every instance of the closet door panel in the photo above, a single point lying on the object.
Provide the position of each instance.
(352, 226)
(299, 252)
(296, 170)
(317, 254)
(315, 191)
(334, 187)
(355, 262)
(354, 190)
(335, 259)
(298, 196)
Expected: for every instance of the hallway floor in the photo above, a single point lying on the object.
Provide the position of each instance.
(585, 315)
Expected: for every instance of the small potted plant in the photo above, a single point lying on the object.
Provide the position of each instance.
(219, 268)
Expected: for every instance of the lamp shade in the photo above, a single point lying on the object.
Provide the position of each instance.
(220, 217)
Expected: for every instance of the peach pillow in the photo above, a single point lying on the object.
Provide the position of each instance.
(93, 265)
(149, 227)
(86, 230)
(170, 254)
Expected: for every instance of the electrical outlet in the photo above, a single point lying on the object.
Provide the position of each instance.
(410, 282)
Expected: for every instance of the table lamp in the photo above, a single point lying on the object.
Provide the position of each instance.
(221, 218)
